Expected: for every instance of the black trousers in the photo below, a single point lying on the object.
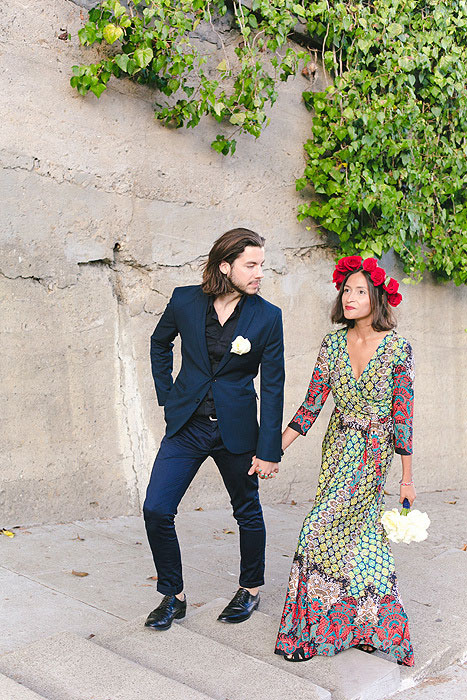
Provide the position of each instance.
(177, 462)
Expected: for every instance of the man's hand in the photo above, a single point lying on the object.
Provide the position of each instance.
(265, 470)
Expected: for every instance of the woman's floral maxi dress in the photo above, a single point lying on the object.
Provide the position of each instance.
(342, 587)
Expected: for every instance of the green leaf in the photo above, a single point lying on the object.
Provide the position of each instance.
(237, 118)
(122, 61)
(111, 33)
(143, 56)
(395, 29)
(98, 89)
(364, 45)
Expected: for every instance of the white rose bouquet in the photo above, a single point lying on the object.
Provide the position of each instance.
(406, 526)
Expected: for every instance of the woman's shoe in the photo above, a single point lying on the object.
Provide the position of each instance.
(297, 655)
(366, 648)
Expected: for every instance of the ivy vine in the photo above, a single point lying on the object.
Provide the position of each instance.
(157, 47)
(387, 158)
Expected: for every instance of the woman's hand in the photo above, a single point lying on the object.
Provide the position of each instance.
(409, 493)
(265, 470)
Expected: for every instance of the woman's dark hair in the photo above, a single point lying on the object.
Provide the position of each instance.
(383, 318)
(227, 248)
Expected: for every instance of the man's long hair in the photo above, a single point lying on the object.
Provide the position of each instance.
(227, 248)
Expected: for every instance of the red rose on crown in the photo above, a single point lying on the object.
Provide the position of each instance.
(392, 286)
(338, 278)
(378, 276)
(370, 264)
(394, 299)
(351, 262)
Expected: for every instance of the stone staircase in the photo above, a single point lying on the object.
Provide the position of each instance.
(197, 659)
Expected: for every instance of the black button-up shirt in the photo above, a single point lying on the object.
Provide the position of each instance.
(218, 340)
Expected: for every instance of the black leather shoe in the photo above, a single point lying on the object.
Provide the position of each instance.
(240, 607)
(170, 609)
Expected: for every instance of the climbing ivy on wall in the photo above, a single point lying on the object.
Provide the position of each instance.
(156, 47)
(387, 157)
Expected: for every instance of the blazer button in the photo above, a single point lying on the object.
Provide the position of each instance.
(198, 400)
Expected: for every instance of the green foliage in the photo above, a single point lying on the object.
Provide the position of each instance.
(387, 156)
(155, 46)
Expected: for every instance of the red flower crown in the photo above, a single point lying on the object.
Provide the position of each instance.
(352, 263)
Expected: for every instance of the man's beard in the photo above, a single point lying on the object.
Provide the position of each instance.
(238, 289)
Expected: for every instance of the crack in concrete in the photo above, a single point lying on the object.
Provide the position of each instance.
(48, 283)
(123, 369)
(67, 176)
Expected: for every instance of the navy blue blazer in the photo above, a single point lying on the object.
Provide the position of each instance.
(232, 383)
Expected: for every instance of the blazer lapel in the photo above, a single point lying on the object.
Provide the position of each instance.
(246, 316)
(200, 327)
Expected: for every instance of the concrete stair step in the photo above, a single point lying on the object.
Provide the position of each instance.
(11, 690)
(67, 667)
(219, 671)
(350, 675)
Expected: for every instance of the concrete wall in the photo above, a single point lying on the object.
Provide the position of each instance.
(104, 211)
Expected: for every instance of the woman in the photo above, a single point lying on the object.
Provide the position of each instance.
(342, 587)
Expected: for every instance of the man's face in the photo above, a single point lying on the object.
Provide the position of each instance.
(246, 272)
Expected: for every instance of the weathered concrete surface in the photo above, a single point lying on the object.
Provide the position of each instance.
(219, 670)
(40, 596)
(69, 667)
(104, 211)
(451, 684)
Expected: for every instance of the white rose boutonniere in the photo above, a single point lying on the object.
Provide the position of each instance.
(241, 345)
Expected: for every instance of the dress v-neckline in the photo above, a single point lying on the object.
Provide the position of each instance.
(380, 344)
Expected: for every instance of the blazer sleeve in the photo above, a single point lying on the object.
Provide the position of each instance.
(318, 391)
(272, 394)
(162, 352)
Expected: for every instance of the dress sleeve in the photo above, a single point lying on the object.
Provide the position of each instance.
(402, 400)
(316, 395)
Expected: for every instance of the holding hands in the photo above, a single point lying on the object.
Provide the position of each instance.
(265, 470)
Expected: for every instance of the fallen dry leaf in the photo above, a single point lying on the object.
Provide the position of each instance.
(90, 636)
(196, 605)
(151, 578)
(7, 533)
(216, 537)
(199, 508)
(226, 531)
(452, 503)
(78, 538)
(81, 574)
(464, 548)
(293, 503)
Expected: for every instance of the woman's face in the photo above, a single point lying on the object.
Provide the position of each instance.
(356, 298)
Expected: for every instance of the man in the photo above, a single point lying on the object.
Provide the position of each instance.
(227, 333)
